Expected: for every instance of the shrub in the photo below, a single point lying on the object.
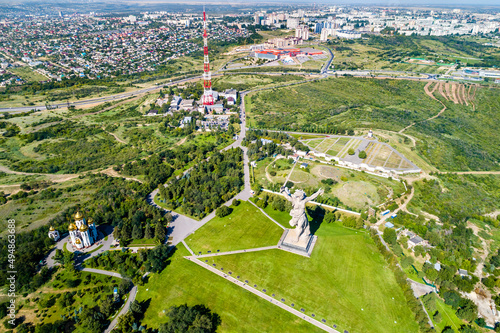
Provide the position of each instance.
(223, 211)
(261, 203)
(362, 154)
(350, 151)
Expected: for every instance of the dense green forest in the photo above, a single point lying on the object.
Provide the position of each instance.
(207, 185)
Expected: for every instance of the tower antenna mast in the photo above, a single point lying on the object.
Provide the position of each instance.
(208, 97)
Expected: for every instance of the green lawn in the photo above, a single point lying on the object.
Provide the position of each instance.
(28, 74)
(449, 318)
(246, 227)
(282, 218)
(306, 136)
(184, 282)
(345, 281)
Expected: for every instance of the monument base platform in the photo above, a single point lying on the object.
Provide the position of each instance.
(303, 247)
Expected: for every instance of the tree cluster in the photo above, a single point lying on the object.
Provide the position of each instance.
(207, 185)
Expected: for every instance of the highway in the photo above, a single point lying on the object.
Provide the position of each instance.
(99, 99)
(127, 94)
(325, 72)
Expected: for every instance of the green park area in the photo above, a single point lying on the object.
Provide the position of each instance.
(245, 228)
(344, 281)
(346, 105)
(75, 140)
(184, 282)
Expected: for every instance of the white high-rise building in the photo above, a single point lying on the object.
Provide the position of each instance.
(256, 19)
(324, 35)
(302, 31)
(292, 22)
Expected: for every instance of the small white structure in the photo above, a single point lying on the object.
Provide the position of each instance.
(370, 134)
(304, 166)
(54, 234)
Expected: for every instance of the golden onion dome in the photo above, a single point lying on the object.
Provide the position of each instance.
(77, 241)
(90, 220)
(78, 215)
(52, 228)
(83, 227)
(72, 227)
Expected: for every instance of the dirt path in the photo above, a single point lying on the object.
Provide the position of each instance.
(464, 95)
(479, 269)
(61, 178)
(428, 93)
(110, 172)
(181, 141)
(268, 176)
(56, 178)
(493, 214)
(115, 136)
(435, 88)
(456, 92)
(441, 90)
(447, 91)
(473, 98)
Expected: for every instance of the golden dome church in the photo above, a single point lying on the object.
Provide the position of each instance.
(82, 232)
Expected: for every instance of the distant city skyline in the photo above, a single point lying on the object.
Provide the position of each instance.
(389, 3)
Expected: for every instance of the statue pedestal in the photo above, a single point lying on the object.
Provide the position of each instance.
(303, 247)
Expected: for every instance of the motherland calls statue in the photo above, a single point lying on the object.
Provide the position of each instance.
(298, 212)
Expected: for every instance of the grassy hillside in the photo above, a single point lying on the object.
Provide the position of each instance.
(184, 282)
(462, 138)
(344, 281)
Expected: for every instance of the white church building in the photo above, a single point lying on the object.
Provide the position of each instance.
(82, 232)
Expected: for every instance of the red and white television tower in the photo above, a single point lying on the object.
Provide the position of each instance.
(208, 97)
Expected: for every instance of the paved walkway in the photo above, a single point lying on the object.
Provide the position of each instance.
(264, 296)
(217, 254)
(269, 217)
